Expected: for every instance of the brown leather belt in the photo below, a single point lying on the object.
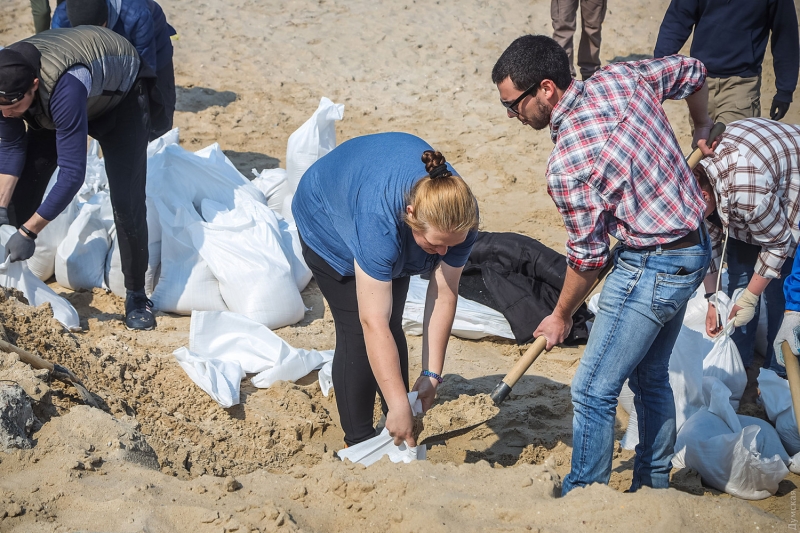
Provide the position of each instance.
(690, 239)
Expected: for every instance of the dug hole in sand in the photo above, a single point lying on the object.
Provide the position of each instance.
(162, 456)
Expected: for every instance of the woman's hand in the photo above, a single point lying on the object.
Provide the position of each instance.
(400, 424)
(426, 389)
(712, 326)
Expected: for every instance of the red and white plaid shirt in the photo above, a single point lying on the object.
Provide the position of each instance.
(617, 168)
(756, 176)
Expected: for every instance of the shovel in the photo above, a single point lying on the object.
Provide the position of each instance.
(792, 375)
(56, 371)
(503, 389)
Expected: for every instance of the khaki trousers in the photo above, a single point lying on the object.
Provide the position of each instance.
(563, 14)
(734, 98)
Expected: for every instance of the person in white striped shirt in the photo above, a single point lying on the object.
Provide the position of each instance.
(752, 191)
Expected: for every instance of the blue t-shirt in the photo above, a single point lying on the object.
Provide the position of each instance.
(349, 206)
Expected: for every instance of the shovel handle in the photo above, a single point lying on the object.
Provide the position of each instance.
(697, 155)
(502, 390)
(792, 376)
(26, 357)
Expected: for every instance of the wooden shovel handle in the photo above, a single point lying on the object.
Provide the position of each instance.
(26, 357)
(792, 376)
(697, 155)
(540, 343)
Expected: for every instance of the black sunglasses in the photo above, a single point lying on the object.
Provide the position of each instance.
(515, 103)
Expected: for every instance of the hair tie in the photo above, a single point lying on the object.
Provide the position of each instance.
(439, 171)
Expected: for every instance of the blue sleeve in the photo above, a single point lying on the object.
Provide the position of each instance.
(13, 143)
(68, 109)
(60, 19)
(785, 49)
(139, 25)
(791, 287)
(457, 256)
(376, 246)
(679, 20)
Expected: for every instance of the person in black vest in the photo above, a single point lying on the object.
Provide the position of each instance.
(55, 88)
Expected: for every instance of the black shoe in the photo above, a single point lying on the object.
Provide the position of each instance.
(138, 312)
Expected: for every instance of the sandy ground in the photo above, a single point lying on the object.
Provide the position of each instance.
(162, 456)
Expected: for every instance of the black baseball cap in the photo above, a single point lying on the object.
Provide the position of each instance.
(17, 71)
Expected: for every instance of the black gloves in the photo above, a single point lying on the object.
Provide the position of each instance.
(778, 109)
(19, 247)
(4, 216)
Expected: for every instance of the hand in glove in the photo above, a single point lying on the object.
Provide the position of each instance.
(789, 332)
(778, 109)
(744, 309)
(4, 216)
(19, 247)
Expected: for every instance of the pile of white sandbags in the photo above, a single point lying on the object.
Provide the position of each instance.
(737, 454)
(743, 456)
(216, 241)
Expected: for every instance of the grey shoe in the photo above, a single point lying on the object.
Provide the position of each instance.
(139, 311)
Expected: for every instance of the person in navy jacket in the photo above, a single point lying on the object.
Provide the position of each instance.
(730, 38)
(144, 24)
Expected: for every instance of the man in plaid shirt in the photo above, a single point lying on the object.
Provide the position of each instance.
(752, 183)
(617, 169)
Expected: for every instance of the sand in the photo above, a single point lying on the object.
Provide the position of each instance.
(162, 456)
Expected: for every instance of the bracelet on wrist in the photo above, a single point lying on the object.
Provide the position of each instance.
(434, 375)
(28, 232)
(708, 295)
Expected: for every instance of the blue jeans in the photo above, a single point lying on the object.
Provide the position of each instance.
(640, 315)
(741, 265)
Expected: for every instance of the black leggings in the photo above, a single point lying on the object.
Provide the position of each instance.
(122, 133)
(353, 380)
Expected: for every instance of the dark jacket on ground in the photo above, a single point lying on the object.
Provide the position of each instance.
(521, 278)
(142, 22)
(730, 37)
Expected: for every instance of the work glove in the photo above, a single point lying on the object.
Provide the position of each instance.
(4, 216)
(789, 332)
(748, 302)
(19, 247)
(778, 109)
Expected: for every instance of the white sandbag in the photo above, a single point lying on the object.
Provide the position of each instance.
(186, 283)
(245, 244)
(724, 361)
(286, 210)
(325, 377)
(694, 356)
(182, 180)
(43, 261)
(315, 138)
(686, 360)
(81, 256)
(224, 346)
(115, 280)
(95, 179)
(769, 441)
(777, 399)
(156, 145)
(372, 450)
(290, 242)
(219, 379)
(17, 276)
(631, 437)
(472, 320)
(273, 182)
(729, 457)
(154, 175)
